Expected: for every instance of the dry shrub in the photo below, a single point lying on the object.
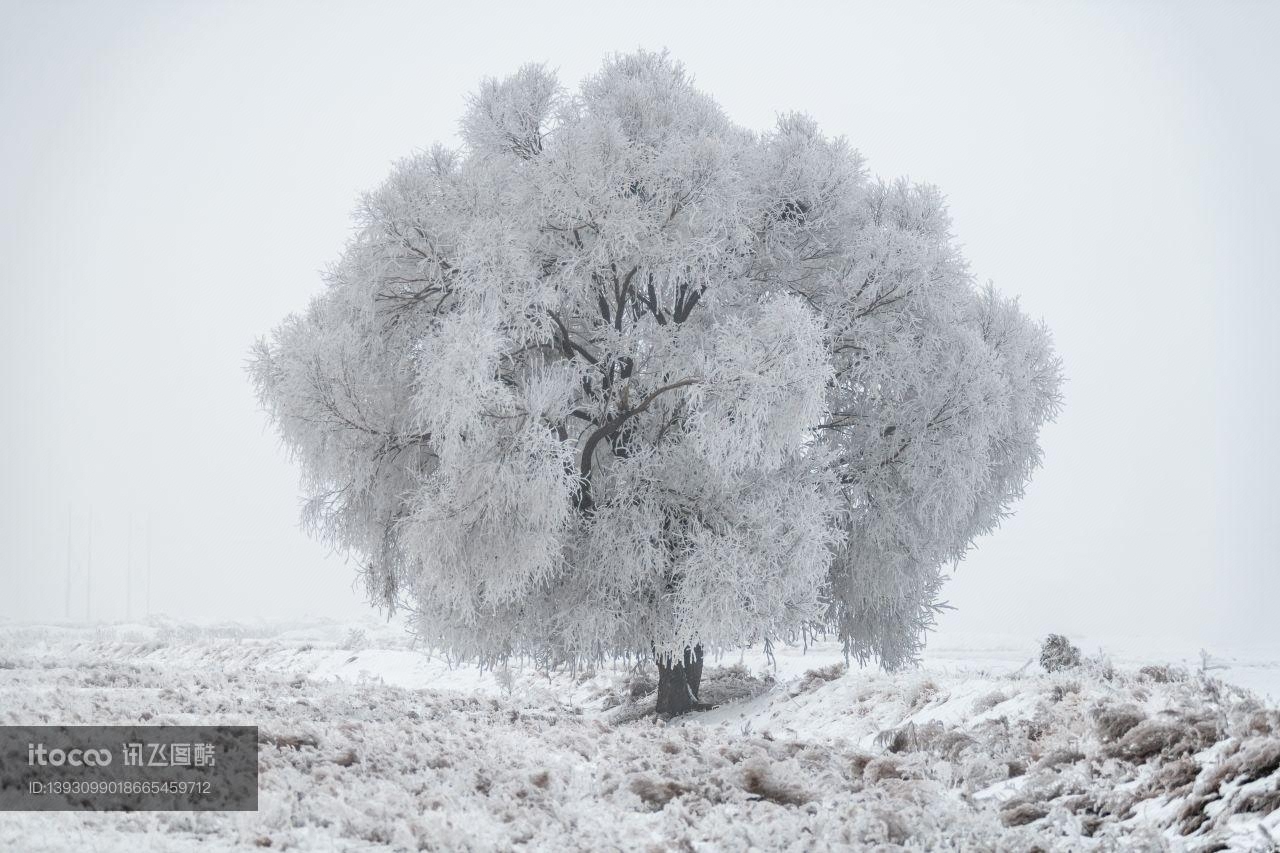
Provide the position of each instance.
(759, 781)
(1263, 802)
(1192, 816)
(922, 694)
(986, 703)
(1035, 728)
(1065, 689)
(1254, 759)
(1262, 722)
(1116, 803)
(910, 738)
(1176, 776)
(980, 771)
(1057, 653)
(1258, 760)
(883, 767)
(640, 685)
(1164, 737)
(724, 684)
(1075, 803)
(858, 762)
(1021, 813)
(356, 640)
(781, 750)
(1163, 674)
(884, 829)
(1114, 721)
(656, 793)
(952, 743)
(289, 741)
(1059, 757)
(815, 678)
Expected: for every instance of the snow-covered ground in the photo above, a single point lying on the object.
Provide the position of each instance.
(371, 744)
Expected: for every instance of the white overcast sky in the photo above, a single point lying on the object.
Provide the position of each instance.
(173, 175)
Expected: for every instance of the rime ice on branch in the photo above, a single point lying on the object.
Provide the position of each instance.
(618, 377)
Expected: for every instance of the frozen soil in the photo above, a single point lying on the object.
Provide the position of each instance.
(368, 744)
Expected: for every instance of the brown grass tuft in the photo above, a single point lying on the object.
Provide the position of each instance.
(1058, 757)
(654, 793)
(1150, 738)
(759, 782)
(1022, 813)
(1176, 776)
(1114, 721)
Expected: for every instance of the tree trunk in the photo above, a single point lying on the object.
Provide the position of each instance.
(693, 668)
(678, 683)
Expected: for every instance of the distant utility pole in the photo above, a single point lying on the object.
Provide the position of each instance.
(148, 565)
(128, 575)
(67, 605)
(88, 572)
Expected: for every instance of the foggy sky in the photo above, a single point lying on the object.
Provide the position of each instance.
(173, 176)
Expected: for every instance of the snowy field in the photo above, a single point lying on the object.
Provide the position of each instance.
(370, 744)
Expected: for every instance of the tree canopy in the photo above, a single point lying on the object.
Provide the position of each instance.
(617, 375)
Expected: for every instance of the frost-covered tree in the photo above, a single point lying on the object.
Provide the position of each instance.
(619, 378)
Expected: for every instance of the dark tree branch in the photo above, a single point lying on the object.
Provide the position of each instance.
(610, 427)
